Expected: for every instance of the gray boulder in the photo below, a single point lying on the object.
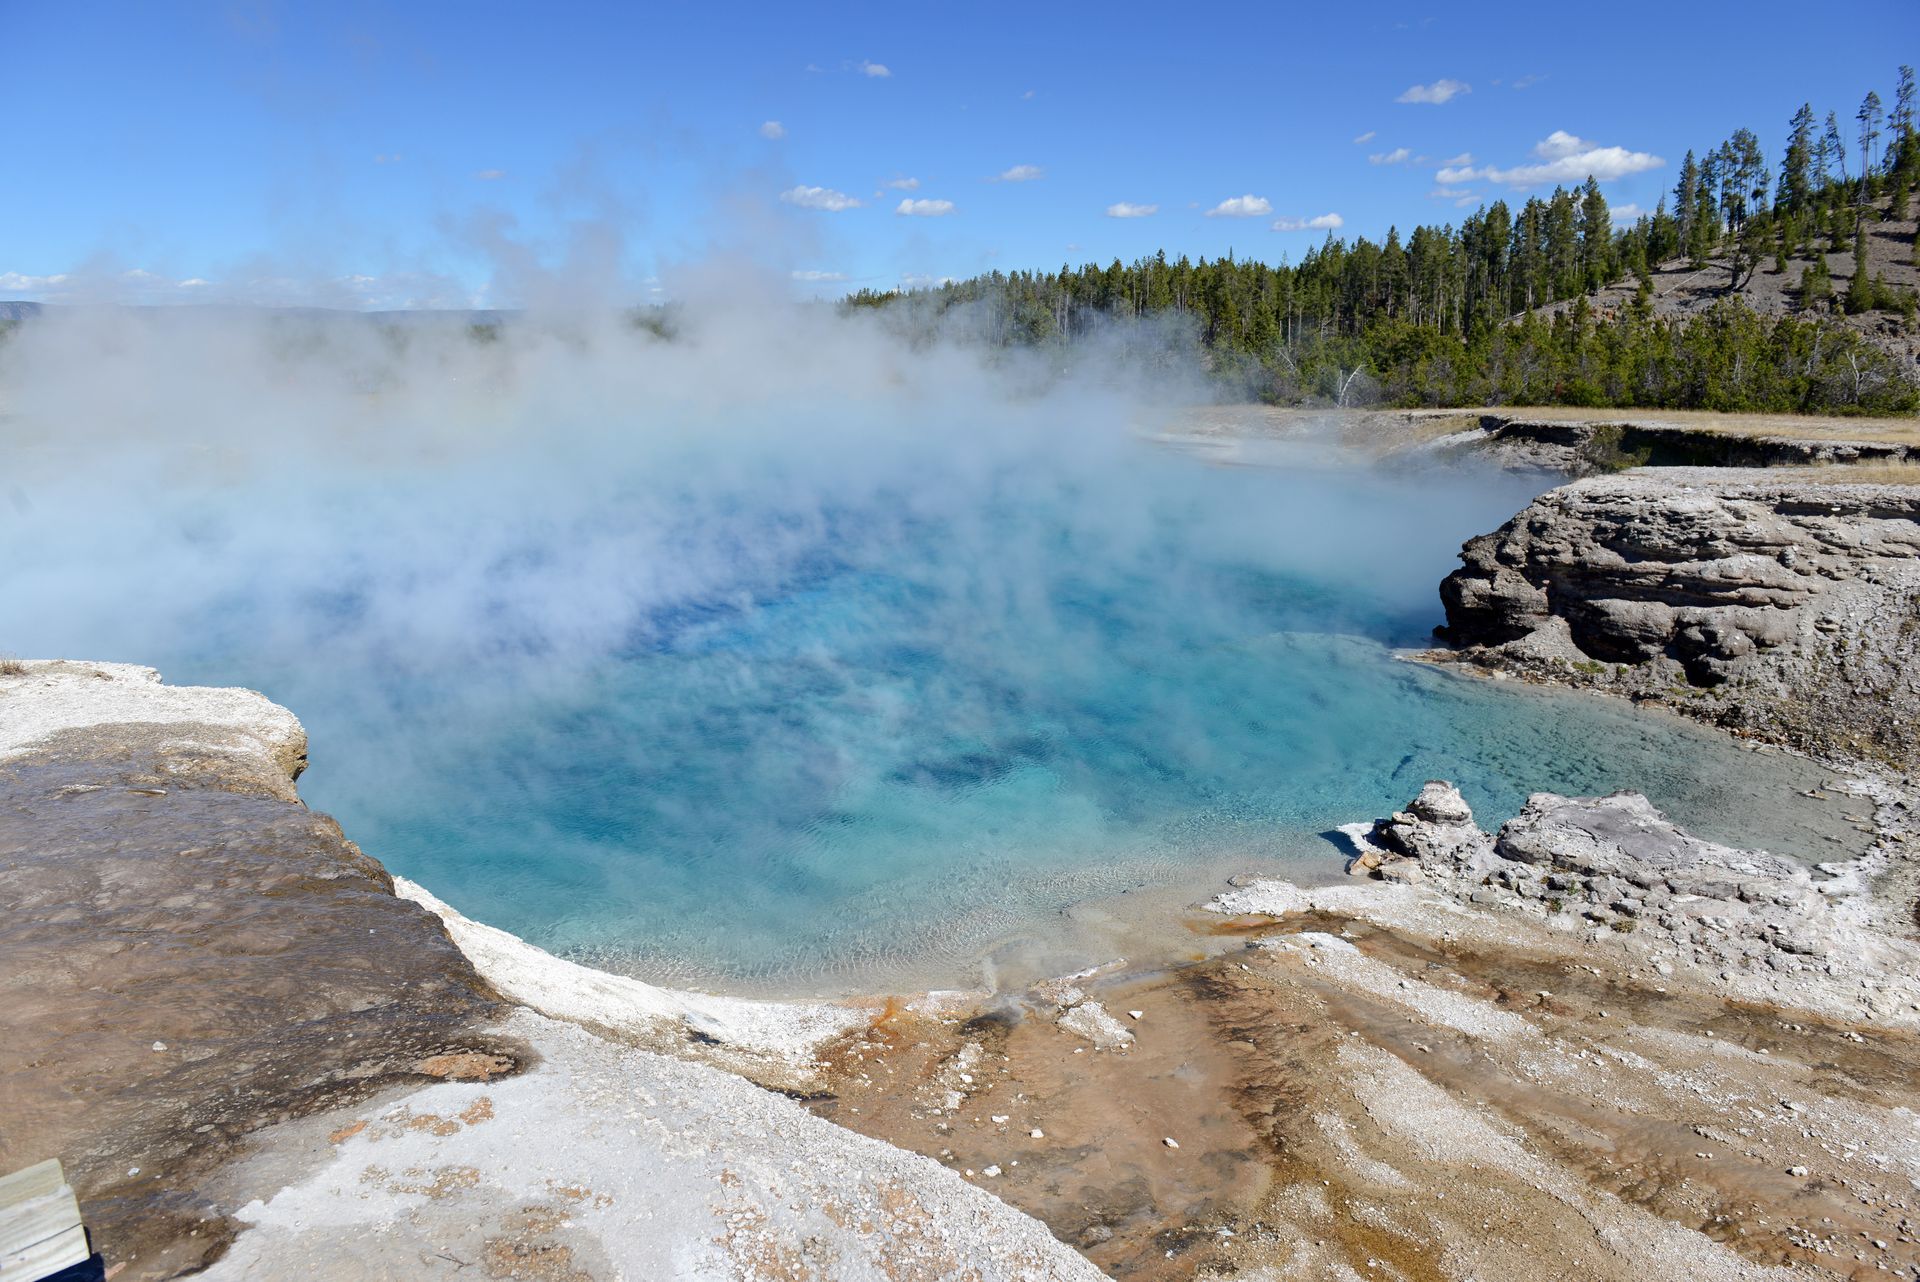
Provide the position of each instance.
(1435, 830)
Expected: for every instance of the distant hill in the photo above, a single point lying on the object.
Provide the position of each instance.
(1681, 291)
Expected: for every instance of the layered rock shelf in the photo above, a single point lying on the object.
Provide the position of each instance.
(1780, 605)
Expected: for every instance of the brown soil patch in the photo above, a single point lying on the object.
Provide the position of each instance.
(466, 1066)
(532, 1261)
(1325, 1117)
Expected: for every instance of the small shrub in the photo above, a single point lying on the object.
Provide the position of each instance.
(12, 668)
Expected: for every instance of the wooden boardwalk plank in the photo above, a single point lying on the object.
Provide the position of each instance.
(40, 1229)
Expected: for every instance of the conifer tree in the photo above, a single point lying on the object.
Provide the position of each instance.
(1815, 281)
(1840, 223)
(1796, 168)
(1685, 197)
(1562, 245)
(1703, 229)
(1860, 288)
(1596, 237)
(1900, 119)
(1869, 117)
(1743, 187)
(1663, 236)
(1833, 152)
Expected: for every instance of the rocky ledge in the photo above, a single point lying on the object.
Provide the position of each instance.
(1780, 605)
(1582, 444)
(188, 954)
(1752, 924)
(1590, 1045)
(257, 1054)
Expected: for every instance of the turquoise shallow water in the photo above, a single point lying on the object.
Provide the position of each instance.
(824, 722)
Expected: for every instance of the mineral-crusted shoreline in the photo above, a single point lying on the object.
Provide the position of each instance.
(1590, 1045)
(220, 1014)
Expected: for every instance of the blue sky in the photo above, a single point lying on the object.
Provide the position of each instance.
(358, 154)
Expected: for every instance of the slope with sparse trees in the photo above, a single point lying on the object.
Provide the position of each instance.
(1748, 293)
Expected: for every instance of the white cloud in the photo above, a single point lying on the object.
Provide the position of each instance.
(1528, 81)
(18, 283)
(878, 70)
(915, 281)
(1364, 138)
(1560, 143)
(773, 131)
(1027, 96)
(1563, 158)
(1398, 156)
(1319, 222)
(1627, 213)
(816, 277)
(924, 208)
(1464, 158)
(1241, 207)
(1449, 193)
(1127, 209)
(904, 184)
(1436, 93)
(819, 198)
(490, 175)
(1020, 174)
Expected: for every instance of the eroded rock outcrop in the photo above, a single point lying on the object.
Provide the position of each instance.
(1680, 1046)
(1616, 865)
(1436, 831)
(188, 954)
(1784, 605)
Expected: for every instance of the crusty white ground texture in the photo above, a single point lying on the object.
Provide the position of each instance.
(609, 1162)
(49, 697)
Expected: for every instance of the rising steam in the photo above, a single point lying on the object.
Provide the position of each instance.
(751, 635)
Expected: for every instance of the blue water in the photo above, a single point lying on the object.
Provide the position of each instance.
(915, 728)
(821, 722)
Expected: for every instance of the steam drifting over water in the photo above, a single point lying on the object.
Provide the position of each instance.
(781, 650)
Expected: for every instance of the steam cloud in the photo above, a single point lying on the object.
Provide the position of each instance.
(572, 556)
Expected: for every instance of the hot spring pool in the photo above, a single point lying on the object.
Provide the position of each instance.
(834, 720)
